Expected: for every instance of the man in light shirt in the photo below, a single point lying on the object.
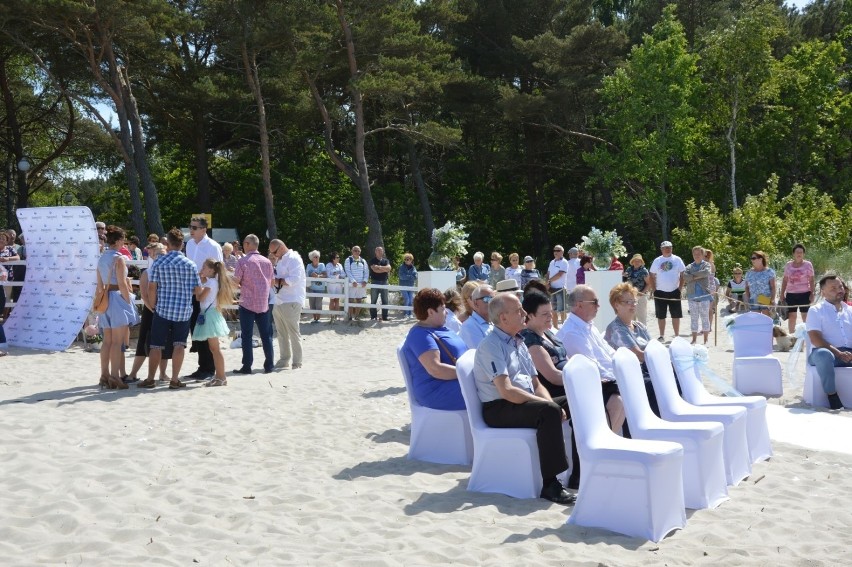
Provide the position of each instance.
(666, 283)
(557, 279)
(573, 266)
(289, 300)
(199, 248)
(829, 327)
(580, 336)
(474, 329)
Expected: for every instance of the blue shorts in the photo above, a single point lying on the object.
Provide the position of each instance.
(160, 329)
(557, 299)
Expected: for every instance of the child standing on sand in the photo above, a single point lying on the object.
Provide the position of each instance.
(216, 292)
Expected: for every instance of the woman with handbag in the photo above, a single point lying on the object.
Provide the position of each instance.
(431, 351)
(118, 313)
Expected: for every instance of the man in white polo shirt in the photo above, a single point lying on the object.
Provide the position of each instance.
(666, 281)
(556, 280)
(199, 248)
(830, 332)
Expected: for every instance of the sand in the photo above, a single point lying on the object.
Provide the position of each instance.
(309, 467)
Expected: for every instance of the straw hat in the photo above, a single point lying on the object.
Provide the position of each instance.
(637, 257)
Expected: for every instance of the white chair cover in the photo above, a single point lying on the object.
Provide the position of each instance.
(674, 408)
(437, 436)
(505, 460)
(704, 484)
(756, 370)
(689, 375)
(814, 394)
(629, 486)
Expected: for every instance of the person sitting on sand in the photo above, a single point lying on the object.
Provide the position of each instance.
(512, 396)
(431, 351)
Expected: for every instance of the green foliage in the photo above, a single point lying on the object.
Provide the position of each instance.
(774, 225)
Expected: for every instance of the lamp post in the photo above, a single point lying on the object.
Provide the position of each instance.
(24, 166)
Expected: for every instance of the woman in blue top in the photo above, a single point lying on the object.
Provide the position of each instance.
(407, 277)
(760, 284)
(431, 351)
(315, 269)
(120, 313)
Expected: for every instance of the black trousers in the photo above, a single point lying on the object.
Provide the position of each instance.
(205, 357)
(546, 418)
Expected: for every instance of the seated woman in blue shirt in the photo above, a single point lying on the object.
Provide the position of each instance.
(431, 351)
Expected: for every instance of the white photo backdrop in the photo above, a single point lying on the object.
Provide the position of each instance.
(62, 258)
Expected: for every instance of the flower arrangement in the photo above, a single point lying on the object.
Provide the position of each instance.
(602, 246)
(448, 242)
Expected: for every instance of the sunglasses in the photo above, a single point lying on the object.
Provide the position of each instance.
(756, 258)
(194, 227)
(486, 299)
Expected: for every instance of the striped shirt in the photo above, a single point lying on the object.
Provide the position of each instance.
(254, 274)
(356, 270)
(176, 279)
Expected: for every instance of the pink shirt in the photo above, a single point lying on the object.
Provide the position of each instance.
(798, 279)
(254, 274)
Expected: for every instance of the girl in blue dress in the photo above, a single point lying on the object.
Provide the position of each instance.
(215, 293)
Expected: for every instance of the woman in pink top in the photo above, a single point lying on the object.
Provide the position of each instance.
(797, 286)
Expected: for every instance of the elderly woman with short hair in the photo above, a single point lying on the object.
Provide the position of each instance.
(478, 272)
(639, 277)
(431, 351)
(315, 269)
(498, 272)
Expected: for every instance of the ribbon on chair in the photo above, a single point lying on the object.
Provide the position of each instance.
(801, 334)
(700, 358)
(728, 324)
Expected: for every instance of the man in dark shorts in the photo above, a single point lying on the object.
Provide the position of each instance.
(666, 283)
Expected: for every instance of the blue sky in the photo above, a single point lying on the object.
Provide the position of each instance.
(798, 3)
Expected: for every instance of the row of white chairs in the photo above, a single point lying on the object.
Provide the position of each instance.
(702, 445)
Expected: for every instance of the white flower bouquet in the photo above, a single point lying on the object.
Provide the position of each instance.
(448, 242)
(602, 246)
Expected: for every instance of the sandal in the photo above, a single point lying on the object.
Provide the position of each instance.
(116, 384)
(176, 385)
(104, 383)
(146, 383)
(217, 382)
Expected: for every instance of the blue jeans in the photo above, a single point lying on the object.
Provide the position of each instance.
(264, 327)
(374, 295)
(825, 363)
(408, 299)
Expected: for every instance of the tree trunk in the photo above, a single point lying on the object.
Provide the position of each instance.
(371, 215)
(202, 165)
(130, 172)
(731, 135)
(140, 155)
(253, 79)
(422, 194)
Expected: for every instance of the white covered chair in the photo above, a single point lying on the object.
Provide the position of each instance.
(437, 436)
(675, 408)
(689, 375)
(756, 370)
(505, 460)
(704, 484)
(630, 486)
(814, 394)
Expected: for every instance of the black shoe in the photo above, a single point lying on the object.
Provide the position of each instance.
(834, 401)
(556, 493)
(243, 371)
(197, 375)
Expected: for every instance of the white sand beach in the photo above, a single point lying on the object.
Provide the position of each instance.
(309, 467)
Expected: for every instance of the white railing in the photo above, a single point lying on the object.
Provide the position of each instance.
(345, 304)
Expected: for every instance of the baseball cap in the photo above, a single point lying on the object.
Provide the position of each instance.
(528, 259)
(665, 244)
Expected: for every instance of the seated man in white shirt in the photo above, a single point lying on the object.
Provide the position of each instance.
(829, 327)
(474, 329)
(579, 336)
